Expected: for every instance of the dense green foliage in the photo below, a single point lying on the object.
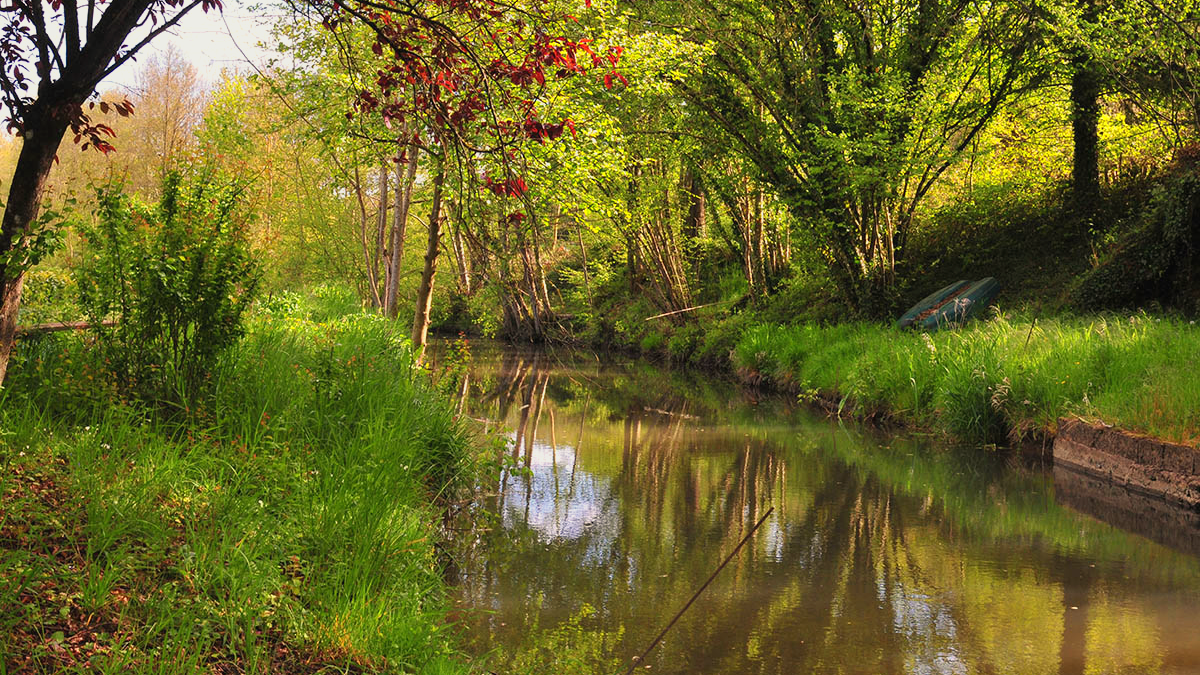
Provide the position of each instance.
(176, 279)
(288, 525)
(1156, 262)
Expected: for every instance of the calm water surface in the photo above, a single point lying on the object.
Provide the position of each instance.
(885, 553)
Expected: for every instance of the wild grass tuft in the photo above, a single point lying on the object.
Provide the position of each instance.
(1000, 377)
(288, 525)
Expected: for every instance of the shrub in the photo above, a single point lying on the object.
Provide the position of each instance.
(684, 342)
(49, 295)
(1155, 263)
(176, 277)
(652, 342)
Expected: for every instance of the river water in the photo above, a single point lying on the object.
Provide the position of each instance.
(628, 484)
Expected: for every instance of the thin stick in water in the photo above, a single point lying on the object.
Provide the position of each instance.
(642, 657)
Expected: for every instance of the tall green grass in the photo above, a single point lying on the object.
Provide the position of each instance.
(288, 524)
(998, 378)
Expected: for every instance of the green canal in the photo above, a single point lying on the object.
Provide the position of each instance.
(627, 484)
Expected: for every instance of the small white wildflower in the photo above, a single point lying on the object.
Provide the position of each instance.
(260, 504)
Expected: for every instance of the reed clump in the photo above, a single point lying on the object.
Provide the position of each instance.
(996, 380)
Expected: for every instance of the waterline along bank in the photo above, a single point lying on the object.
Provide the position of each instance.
(886, 552)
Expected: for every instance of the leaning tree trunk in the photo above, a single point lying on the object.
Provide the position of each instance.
(420, 332)
(38, 150)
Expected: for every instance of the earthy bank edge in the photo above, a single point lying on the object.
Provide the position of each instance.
(1005, 382)
(1139, 463)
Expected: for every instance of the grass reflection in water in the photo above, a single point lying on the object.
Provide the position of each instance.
(886, 554)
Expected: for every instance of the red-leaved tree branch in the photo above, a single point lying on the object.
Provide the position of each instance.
(470, 73)
(466, 80)
(55, 54)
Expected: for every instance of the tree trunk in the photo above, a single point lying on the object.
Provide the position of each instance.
(381, 223)
(364, 223)
(540, 272)
(587, 282)
(38, 150)
(631, 254)
(1085, 118)
(693, 189)
(462, 259)
(405, 175)
(760, 269)
(420, 332)
(531, 288)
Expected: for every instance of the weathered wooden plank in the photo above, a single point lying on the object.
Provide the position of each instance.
(56, 327)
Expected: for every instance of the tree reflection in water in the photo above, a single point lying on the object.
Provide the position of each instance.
(884, 555)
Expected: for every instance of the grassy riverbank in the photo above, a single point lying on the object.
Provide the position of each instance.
(997, 378)
(286, 525)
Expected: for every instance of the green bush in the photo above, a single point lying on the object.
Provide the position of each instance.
(652, 342)
(330, 301)
(684, 342)
(720, 339)
(1156, 262)
(455, 312)
(48, 296)
(176, 277)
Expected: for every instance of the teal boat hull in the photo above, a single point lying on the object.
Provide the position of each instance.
(931, 301)
(965, 306)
